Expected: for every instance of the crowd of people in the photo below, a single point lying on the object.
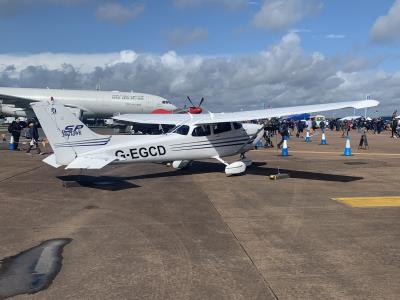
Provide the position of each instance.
(32, 133)
(288, 127)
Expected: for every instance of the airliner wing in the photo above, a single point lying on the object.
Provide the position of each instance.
(16, 101)
(242, 115)
(24, 103)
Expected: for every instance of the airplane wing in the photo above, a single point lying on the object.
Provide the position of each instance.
(167, 119)
(16, 101)
(24, 103)
(87, 162)
(242, 115)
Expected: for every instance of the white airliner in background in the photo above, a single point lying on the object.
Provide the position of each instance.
(194, 137)
(82, 103)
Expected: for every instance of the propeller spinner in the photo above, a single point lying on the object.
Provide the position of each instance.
(195, 109)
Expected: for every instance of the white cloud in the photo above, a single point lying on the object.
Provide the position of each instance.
(278, 15)
(284, 74)
(83, 63)
(118, 13)
(299, 30)
(181, 37)
(386, 28)
(335, 36)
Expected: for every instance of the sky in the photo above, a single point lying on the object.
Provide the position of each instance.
(238, 54)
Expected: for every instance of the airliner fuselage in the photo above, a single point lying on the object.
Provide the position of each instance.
(102, 104)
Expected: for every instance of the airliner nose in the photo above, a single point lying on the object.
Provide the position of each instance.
(164, 107)
(172, 107)
(167, 105)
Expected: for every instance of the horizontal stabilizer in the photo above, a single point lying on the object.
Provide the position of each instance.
(51, 160)
(85, 162)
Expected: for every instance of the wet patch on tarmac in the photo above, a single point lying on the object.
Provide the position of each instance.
(355, 163)
(32, 270)
(306, 175)
(97, 182)
(91, 207)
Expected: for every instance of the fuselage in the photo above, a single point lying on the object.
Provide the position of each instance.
(102, 104)
(184, 143)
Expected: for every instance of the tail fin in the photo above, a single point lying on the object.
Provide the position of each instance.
(67, 135)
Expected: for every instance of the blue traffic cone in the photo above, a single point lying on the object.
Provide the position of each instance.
(323, 139)
(285, 151)
(347, 149)
(308, 136)
(11, 144)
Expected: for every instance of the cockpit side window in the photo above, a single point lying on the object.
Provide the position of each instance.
(183, 130)
(221, 127)
(201, 130)
(237, 125)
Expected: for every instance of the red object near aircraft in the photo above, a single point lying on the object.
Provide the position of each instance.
(194, 110)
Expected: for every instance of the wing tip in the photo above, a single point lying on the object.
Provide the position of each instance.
(367, 103)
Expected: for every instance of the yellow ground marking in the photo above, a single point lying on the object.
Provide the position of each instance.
(370, 201)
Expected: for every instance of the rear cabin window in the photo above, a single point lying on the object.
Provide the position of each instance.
(203, 130)
(221, 127)
(237, 125)
(183, 130)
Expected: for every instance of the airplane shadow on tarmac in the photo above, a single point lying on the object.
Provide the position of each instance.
(117, 183)
(107, 183)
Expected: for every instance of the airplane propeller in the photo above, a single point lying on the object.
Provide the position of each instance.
(195, 109)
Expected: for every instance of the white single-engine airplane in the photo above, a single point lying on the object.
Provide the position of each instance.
(194, 137)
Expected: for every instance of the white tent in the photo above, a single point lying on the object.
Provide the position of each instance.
(350, 118)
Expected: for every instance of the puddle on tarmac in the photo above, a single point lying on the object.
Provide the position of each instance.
(31, 270)
(355, 163)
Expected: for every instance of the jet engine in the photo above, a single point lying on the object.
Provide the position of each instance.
(12, 111)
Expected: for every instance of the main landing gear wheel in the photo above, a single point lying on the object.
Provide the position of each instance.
(181, 164)
(247, 161)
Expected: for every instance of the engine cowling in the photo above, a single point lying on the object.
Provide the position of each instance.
(12, 111)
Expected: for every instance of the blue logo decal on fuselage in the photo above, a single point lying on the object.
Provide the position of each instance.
(72, 130)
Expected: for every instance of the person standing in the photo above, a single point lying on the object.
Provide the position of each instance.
(394, 125)
(15, 130)
(363, 144)
(344, 125)
(284, 132)
(34, 135)
(322, 126)
(300, 128)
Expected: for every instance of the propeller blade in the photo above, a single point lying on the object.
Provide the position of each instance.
(201, 101)
(190, 101)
